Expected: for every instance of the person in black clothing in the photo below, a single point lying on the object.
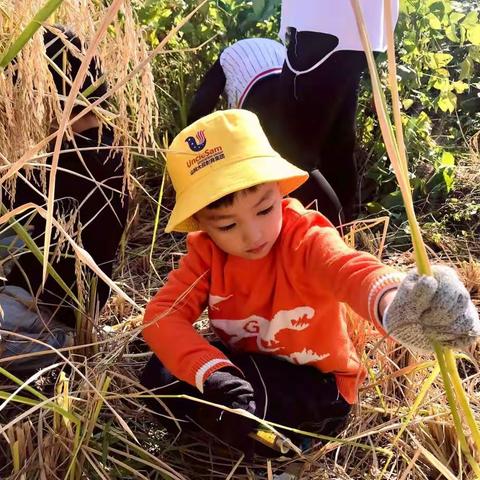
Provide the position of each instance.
(318, 112)
(89, 192)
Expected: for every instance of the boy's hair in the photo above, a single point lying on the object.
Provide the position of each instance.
(228, 199)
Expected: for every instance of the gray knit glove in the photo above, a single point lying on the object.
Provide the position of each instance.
(432, 308)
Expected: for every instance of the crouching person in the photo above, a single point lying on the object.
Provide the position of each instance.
(273, 276)
(89, 198)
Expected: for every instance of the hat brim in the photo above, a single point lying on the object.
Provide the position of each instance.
(228, 179)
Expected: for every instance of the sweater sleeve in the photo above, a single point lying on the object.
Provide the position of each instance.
(170, 314)
(351, 276)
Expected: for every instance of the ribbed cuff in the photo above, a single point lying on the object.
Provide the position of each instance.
(382, 285)
(208, 368)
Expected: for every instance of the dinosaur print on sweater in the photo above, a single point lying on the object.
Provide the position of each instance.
(265, 331)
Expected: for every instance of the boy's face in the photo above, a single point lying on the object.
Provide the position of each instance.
(250, 226)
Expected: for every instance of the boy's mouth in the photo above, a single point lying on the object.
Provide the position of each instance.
(257, 249)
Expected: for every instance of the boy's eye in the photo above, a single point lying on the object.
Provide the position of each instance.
(226, 228)
(266, 211)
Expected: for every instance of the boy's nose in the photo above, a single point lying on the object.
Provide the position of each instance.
(251, 236)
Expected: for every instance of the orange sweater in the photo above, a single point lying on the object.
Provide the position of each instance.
(287, 304)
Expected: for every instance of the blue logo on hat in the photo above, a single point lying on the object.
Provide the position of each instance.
(199, 143)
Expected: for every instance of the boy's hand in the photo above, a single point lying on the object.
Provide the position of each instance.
(432, 308)
(228, 389)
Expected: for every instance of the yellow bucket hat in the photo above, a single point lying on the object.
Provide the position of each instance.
(222, 153)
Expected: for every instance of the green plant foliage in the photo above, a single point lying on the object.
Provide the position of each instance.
(438, 55)
(215, 26)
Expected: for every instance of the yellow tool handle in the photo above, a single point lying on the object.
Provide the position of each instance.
(271, 440)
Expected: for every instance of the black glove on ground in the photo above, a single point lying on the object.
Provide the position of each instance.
(226, 388)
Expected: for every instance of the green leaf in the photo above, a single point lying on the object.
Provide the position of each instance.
(374, 207)
(448, 178)
(459, 86)
(438, 9)
(455, 17)
(448, 160)
(443, 84)
(470, 20)
(392, 200)
(441, 59)
(447, 102)
(407, 103)
(451, 33)
(466, 69)
(435, 23)
(463, 34)
(474, 53)
(473, 34)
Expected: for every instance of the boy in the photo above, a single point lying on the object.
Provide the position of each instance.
(273, 276)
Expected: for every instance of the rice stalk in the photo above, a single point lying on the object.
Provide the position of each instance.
(412, 411)
(141, 66)
(157, 216)
(271, 426)
(29, 97)
(15, 456)
(397, 155)
(396, 158)
(461, 395)
(84, 437)
(36, 22)
(64, 401)
(434, 461)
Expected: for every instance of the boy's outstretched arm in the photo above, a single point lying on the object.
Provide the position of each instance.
(334, 269)
(411, 308)
(426, 308)
(170, 314)
(207, 95)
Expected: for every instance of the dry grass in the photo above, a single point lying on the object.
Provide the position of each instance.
(30, 103)
(398, 430)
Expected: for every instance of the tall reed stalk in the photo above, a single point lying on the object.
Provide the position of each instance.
(396, 150)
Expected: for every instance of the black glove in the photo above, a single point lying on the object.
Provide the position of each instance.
(226, 388)
(230, 390)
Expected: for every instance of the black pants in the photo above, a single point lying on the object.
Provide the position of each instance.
(310, 120)
(301, 397)
(318, 112)
(267, 101)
